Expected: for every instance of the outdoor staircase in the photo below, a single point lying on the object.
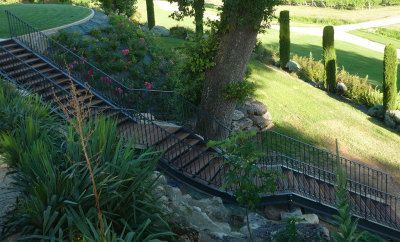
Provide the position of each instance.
(28, 61)
(181, 147)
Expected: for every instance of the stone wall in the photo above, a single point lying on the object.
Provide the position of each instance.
(252, 115)
(209, 219)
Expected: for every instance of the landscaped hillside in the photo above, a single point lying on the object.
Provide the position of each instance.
(38, 15)
(307, 113)
(356, 60)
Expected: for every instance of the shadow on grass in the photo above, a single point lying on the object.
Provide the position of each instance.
(352, 62)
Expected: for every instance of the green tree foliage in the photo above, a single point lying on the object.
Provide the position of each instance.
(190, 8)
(347, 228)
(55, 196)
(284, 38)
(151, 19)
(242, 155)
(126, 7)
(329, 56)
(390, 78)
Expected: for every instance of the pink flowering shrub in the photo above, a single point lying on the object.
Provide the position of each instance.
(148, 85)
(119, 90)
(125, 52)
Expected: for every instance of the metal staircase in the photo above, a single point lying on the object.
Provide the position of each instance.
(166, 122)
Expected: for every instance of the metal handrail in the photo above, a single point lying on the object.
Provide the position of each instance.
(32, 29)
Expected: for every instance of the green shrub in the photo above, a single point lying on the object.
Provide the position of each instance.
(180, 32)
(151, 19)
(329, 57)
(284, 38)
(55, 195)
(359, 89)
(311, 70)
(239, 91)
(390, 78)
(263, 54)
(126, 7)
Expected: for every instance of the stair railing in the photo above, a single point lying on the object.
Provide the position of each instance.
(89, 75)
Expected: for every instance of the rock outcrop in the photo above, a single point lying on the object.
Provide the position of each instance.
(208, 219)
(252, 115)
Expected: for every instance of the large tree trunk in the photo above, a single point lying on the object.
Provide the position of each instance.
(234, 52)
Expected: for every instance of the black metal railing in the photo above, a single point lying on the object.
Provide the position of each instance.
(164, 103)
(308, 171)
(313, 174)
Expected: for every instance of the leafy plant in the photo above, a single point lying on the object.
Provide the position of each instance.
(239, 91)
(246, 176)
(57, 199)
(347, 227)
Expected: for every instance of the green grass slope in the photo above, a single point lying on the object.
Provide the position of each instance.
(42, 16)
(309, 114)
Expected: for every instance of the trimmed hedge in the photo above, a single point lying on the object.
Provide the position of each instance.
(329, 57)
(284, 38)
(390, 78)
(151, 20)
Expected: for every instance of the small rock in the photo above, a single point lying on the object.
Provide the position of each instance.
(243, 124)
(341, 88)
(237, 115)
(260, 121)
(389, 120)
(296, 213)
(273, 213)
(161, 31)
(309, 219)
(293, 66)
(395, 115)
(255, 107)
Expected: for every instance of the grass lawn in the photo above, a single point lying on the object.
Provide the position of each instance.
(319, 16)
(370, 35)
(355, 59)
(309, 114)
(42, 16)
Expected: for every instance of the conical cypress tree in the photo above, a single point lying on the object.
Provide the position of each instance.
(151, 21)
(284, 38)
(329, 56)
(390, 77)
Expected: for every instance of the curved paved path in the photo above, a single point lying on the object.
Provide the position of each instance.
(341, 31)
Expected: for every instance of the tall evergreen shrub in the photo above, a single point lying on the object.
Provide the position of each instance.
(151, 21)
(390, 77)
(329, 56)
(284, 38)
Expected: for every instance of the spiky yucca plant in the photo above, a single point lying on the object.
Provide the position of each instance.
(55, 200)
